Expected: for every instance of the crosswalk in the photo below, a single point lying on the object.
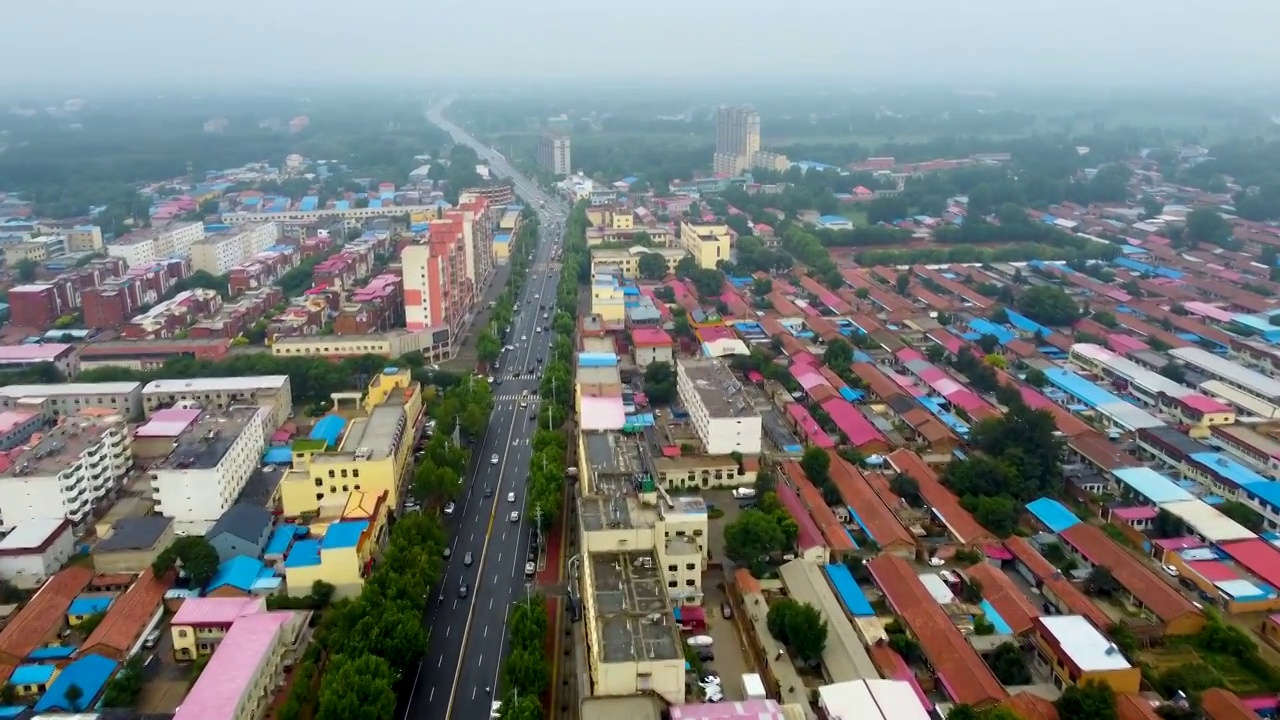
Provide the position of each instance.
(509, 397)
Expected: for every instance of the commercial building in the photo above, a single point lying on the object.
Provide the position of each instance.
(871, 699)
(270, 391)
(553, 154)
(35, 550)
(20, 357)
(1075, 652)
(53, 401)
(351, 216)
(737, 139)
(433, 343)
(709, 243)
(67, 471)
(144, 247)
(372, 453)
(201, 623)
(225, 247)
(210, 464)
(339, 546)
(150, 354)
(242, 676)
(719, 410)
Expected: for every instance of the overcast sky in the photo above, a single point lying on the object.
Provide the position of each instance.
(276, 42)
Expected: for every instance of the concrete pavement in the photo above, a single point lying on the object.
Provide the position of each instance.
(458, 676)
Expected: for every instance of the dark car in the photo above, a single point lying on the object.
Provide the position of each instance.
(705, 655)
(463, 590)
(726, 610)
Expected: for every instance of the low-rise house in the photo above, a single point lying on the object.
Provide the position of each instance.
(242, 530)
(202, 623)
(34, 551)
(133, 544)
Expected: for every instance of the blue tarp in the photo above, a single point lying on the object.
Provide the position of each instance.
(854, 600)
(277, 456)
(1052, 514)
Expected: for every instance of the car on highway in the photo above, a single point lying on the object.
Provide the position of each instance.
(493, 459)
(524, 337)
(538, 329)
(449, 508)
(488, 491)
(515, 516)
(446, 553)
(511, 497)
(467, 559)
(463, 590)
(529, 569)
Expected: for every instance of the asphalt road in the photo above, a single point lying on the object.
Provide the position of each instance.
(468, 634)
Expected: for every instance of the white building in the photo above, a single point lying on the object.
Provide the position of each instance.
(210, 465)
(271, 391)
(153, 244)
(719, 409)
(66, 471)
(216, 253)
(871, 700)
(35, 550)
(124, 398)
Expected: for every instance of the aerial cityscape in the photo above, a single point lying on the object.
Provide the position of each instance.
(911, 392)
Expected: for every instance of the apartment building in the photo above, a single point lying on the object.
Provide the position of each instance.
(225, 246)
(376, 307)
(202, 623)
(54, 401)
(67, 471)
(143, 247)
(433, 343)
(709, 243)
(626, 262)
(210, 464)
(37, 305)
(37, 249)
(248, 667)
(173, 316)
(737, 139)
(374, 453)
(271, 391)
(437, 290)
(719, 410)
(496, 195)
(553, 154)
(235, 318)
(84, 238)
(20, 357)
(262, 269)
(111, 303)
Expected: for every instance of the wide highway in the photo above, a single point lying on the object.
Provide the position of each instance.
(458, 676)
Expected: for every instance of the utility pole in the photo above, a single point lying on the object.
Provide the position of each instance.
(553, 403)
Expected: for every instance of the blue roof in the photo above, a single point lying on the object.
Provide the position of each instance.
(343, 534)
(833, 219)
(251, 200)
(1155, 487)
(54, 652)
(502, 238)
(89, 605)
(1052, 514)
(90, 673)
(277, 456)
(1026, 324)
(32, 674)
(982, 326)
(1076, 386)
(1227, 468)
(375, 203)
(1268, 492)
(309, 203)
(854, 600)
(590, 359)
(993, 617)
(329, 429)
(239, 572)
(12, 711)
(342, 205)
(282, 537)
(305, 553)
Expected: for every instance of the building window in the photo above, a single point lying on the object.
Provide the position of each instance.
(333, 488)
(671, 568)
(690, 582)
(331, 475)
(671, 583)
(690, 566)
(319, 496)
(319, 482)
(355, 474)
(344, 472)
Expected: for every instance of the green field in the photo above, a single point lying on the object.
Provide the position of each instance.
(1239, 680)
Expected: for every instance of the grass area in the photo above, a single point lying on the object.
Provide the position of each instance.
(857, 216)
(1238, 678)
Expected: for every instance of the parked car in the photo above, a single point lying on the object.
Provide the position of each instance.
(726, 610)
(449, 508)
(515, 516)
(152, 639)
(700, 641)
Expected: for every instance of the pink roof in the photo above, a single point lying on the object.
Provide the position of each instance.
(217, 610)
(805, 359)
(810, 310)
(1214, 570)
(651, 337)
(746, 710)
(855, 426)
(377, 287)
(47, 352)
(967, 400)
(1033, 399)
(1258, 557)
(233, 667)
(1204, 403)
(1136, 513)
(809, 535)
(602, 413)
(10, 419)
(169, 422)
(808, 377)
(809, 427)
(1182, 543)
(1208, 311)
(908, 354)
(1125, 344)
(947, 340)
(712, 333)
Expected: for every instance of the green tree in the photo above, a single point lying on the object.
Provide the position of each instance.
(838, 355)
(652, 266)
(528, 670)
(659, 383)
(1105, 319)
(357, 687)
(1207, 226)
(488, 348)
(1101, 582)
(761, 286)
(800, 627)
(25, 269)
(1048, 305)
(903, 283)
(754, 535)
(1036, 378)
(192, 555)
(1090, 701)
(816, 464)
(525, 707)
(1242, 514)
(1009, 665)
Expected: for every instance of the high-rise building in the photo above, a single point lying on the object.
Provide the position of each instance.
(737, 139)
(553, 153)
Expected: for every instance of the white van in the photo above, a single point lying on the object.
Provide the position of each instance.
(742, 493)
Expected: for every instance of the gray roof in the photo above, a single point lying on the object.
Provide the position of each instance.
(245, 521)
(135, 533)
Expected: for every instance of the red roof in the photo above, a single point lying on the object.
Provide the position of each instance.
(1054, 581)
(651, 337)
(833, 532)
(128, 617)
(1258, 557)
(43, 615)
(876, 518)
(1167, 603)
(997, 589)
(1222, 704)
(945, 505)
(962, 674)
(809, 536)
(852, 423)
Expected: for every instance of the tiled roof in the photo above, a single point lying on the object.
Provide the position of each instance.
(1156, 595)
(43, 615)
(128, 617)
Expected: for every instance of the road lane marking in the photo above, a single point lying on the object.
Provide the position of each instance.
(486, 631)
(439, 663)
(432, 695)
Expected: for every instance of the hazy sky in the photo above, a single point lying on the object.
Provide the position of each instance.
(87, 43)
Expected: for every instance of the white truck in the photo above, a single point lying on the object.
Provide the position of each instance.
(753, 687)
(742, 493)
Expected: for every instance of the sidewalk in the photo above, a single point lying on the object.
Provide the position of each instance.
(465, 358)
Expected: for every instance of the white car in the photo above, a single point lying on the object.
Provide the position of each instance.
(493, 459)
(511, 497)
(495, 710)
(700, 641)
(448, 508)
(538, 329)
(1170, 570)
(524, 337)
(515, 516)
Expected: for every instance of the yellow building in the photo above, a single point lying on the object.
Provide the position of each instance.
(339, 552)
(1199, 413)
(709, 243)
(1075, 652)
(608, 299)
(365, 446)
(502, 247)
(202, 622)
(33, 680)
(628, 261)
(611, 218)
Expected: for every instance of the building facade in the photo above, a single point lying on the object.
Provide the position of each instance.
(68, 472)
(144, 247)
(553, 154)
(218, 252)
(723, 418)
(709, 243)
(737, 139)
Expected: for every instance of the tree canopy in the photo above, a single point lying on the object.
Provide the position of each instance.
(800, 627)
(193, 556)
(1048, 305)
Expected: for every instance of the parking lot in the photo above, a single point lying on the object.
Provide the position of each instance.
(731, 656)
